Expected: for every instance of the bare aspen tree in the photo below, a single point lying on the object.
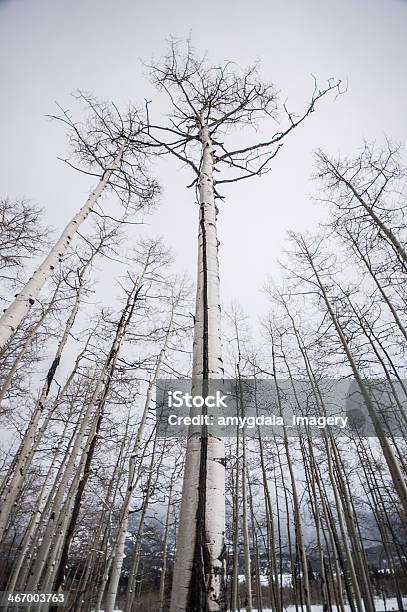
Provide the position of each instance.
(32, 334)
(244, 473)
(207, 101)
(31, 438)
(133, 476)
(25, 549)
(149, 490)
(21, 237)
(234, 596)
(89, 579)
(168, 517)
(296, 504)
(62, 509)
(108, 146)
(394, 467)
(356, 325)
(359, 187)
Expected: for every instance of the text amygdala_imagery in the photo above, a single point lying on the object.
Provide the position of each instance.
(278, 407)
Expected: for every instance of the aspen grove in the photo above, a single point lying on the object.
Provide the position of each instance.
(96, 503)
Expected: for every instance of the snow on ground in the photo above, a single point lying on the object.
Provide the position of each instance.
(391, 605)
(286, 579)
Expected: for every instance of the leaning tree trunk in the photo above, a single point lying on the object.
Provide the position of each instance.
(15, 313)
(394, 467)
(16, 482)
(198, 581)
(26, 346)
(356, 598)
(57, 523)
(386, 231)
(378, 284)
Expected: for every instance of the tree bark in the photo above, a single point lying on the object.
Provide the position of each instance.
(133, 476)
(16, 312)
(198, 581)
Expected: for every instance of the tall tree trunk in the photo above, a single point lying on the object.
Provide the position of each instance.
(271, 549)
(296, 503)
(59, 523)
(245, 521)
(26, 345)
(150, 486)
(356, 595)
(133, 477)
(235, 550)
(26, 451)
(245, 529)
(15, 313)
(198, 581)
(161, 589)
(89, 581)
(394, 467)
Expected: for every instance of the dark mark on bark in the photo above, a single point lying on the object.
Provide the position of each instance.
(197, 593)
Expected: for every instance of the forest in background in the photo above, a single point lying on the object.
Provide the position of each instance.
(90, 496)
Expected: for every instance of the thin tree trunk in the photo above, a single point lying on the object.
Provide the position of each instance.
(296, 505)
(133, 477)
(394, 468)
(33, 524)
(354, 579)
(374, 276)
(235, 550)
(161, 589)
(58, 524)
(26, 452)
(259, 598)
(89, 580)
(245, 523)
(132, 582)
(391, 237)
(16, 312)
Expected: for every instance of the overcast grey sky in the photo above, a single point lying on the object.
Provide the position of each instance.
(48, 48)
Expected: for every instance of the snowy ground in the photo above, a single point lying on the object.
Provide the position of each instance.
(391, 605)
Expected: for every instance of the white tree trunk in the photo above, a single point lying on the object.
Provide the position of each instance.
(27, 343)
(197, 584)
(136, 553)
(161, 590)
(392, 463)
(15, 313)
(26, 451)
(25, 545)
(246, 543)
(41, 517)
(76, 463)
(132, 481)
(234, 604)
(100, 542)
